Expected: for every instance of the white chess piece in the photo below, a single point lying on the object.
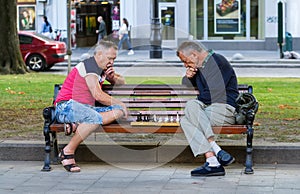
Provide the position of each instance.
(154, 118)
(160, 119)
(177, 118)
(166, 119)
(171, 119)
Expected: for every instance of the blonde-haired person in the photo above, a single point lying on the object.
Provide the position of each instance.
(123, 36)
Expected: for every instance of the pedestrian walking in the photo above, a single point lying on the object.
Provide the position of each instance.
(102, 29)
(46, 28)
(123, 36)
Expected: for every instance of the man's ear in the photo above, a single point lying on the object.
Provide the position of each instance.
(99, 53)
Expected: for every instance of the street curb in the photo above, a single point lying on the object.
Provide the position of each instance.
(149, 153)
(170, 63)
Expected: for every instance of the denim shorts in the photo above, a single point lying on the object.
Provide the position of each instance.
(75, 112)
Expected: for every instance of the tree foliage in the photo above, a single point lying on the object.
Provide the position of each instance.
(11, 61)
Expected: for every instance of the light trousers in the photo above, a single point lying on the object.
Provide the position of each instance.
(198, 121)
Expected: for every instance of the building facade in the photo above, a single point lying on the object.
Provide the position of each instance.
(219, 24)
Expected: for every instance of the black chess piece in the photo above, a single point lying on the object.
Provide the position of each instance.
(139, 118)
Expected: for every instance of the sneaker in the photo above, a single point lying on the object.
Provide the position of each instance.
(130, 52)
(206, 170)
(225, 158)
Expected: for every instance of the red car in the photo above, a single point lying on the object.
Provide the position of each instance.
(40, 52)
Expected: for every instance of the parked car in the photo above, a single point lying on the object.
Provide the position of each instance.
(40, 52)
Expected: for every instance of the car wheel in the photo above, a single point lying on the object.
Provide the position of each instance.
(36, 62)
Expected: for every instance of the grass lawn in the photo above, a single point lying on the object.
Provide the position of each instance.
(23, 98)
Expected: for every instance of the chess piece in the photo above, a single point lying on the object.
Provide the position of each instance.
(160, 119)
(166, 119)
(171, 119)
(177, 118)
(147, 118)
(139, 118)
(154, 118)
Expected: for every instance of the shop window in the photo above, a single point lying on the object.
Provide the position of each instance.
(86, 18)
(254, 14)
(227, 19)
(196, 22)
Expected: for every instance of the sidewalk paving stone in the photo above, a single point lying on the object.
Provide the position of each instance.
(26, 177)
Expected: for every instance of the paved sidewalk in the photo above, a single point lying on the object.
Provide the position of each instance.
(234, 56)
(26, 177)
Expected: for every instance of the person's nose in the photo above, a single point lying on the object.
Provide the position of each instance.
(111, 61)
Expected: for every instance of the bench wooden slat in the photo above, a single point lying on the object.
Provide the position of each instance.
(127, 128)
(157, 112)
(176, 87)
(152, 100)
(162, 105)
(151, 93)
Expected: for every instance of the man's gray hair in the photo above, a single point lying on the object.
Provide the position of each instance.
(105, 45)
(188, 46)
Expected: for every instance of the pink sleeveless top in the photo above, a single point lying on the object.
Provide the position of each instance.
(75, 86)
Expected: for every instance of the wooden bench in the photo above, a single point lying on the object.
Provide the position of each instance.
(152, 109)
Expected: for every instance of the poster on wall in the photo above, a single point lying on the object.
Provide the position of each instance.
(26, 1)
(26, 17)
(227, 16)
(73, 28)
(115, 15)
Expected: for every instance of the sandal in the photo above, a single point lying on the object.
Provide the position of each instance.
(70, 128)
(62, 156)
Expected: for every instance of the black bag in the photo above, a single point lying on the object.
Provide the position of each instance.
(246, 104)
(50, 29)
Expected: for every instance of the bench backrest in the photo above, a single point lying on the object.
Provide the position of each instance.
(161, 101)
(146, 101)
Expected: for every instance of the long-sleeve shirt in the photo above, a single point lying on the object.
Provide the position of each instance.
(216, 81)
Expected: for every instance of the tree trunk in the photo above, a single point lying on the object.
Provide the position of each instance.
(11, 61)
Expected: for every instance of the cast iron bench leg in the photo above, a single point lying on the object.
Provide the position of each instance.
(47, 161)
(249, 149)
(55, 148)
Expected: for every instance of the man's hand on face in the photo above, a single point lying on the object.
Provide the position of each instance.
(191, 72)
(110, 72)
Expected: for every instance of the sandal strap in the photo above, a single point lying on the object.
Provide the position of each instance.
(71, 156)
(72, 129)
(67, 133)
(68, 167)
(63, 156)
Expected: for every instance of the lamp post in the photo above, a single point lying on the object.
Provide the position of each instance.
(280, 27)
(155, 37)
(69, 51)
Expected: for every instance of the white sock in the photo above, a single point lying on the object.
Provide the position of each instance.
(215, 147)
(213, 161)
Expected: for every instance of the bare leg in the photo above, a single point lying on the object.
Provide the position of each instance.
(83, 131)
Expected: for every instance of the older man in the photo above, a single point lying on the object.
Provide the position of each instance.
(216, 81)
(75, 102)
